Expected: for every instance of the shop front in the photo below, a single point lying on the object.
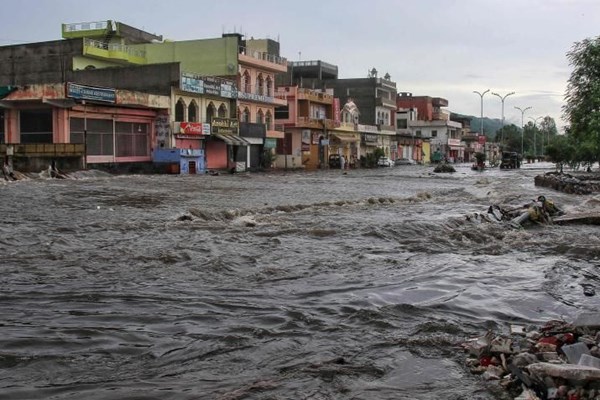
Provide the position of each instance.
(347, 145)
(225, 149)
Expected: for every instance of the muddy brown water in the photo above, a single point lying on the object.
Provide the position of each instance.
(297, 285)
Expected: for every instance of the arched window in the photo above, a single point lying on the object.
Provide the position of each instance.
(260, 85)
(268, 120)
(180, 111)
(246, 84)
(222, 111)
(193, 111)
(269, 87)
(211, 112)
(260, 117)
(245, 115)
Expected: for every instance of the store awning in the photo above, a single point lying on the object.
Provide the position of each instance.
(4, 90)
(253, 140)
(232, 140)
(344, 138)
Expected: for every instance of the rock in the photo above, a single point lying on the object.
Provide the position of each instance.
(565, 371)
(587, 320)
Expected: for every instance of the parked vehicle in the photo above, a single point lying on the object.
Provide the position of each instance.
(510, 159)
(384, 162)
(335, 161)
(404, 161)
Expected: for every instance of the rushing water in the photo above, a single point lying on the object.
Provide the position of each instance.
(300, 285)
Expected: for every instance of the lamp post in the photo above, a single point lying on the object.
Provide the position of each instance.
(502, 98)
(522, 125)
(535, 134)
(481, 120)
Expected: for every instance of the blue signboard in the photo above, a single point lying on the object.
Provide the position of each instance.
(82, 92)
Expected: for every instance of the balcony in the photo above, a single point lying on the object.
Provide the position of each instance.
(87, 29)
(315, 96)
(385, 102)
(262, 60)
(315, 123)
(113, 52)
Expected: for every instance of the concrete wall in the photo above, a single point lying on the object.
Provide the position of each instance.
(41, 62)
(218, 57)
(155, 79)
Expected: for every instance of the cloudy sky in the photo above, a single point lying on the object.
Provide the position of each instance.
(440, 48)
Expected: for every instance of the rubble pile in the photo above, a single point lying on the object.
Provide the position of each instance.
(559, 360)
(444, 167)
(566, 183)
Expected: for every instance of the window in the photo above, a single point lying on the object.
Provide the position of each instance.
(402, 123)
(246, 82)
(131, 139)
(418, 133)
(434, 133)
(211, 112)
(222, 111)
(99, 140)
(36, 126)
(259, 117)
(193, 112)
(180, 111)
(282, 112)
(245, 115)
(268, 120)
(260, 85)
(269, 87)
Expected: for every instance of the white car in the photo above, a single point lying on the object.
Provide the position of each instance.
(384, 162)
(404, 161)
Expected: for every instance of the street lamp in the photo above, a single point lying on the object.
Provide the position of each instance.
(502, 98)
(535, 134)
(481, 120)
(522, 125)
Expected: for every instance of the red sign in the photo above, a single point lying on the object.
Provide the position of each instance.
(336, 110)
(481, 139)
(190, 128)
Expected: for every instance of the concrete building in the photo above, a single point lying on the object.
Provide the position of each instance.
(373, 99)
(49, 105)
(221, 90)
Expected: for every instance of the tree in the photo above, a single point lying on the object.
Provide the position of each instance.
(582, 108)
(547, 132)
(512, 138)
(561, 150)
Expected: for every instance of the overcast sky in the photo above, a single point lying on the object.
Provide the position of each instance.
(439, 48)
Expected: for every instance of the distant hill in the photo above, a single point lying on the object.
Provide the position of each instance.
(490, 126)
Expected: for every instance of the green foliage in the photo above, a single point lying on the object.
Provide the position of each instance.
(582, 108)
(480, 157)
(370, 161)
(561, 150)
(268, 158)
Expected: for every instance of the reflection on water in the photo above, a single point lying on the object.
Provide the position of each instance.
(315, 285)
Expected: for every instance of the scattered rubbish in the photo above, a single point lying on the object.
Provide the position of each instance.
(559, 360)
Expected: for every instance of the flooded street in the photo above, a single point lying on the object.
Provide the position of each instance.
(298, 285)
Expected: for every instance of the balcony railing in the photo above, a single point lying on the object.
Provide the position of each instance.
(87, 26)
(260, 55)
(114, 47)
(312, 95)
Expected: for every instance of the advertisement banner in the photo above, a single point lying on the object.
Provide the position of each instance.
(82, 92)
(191, 128)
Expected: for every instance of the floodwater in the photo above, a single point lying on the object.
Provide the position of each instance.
(299, 285)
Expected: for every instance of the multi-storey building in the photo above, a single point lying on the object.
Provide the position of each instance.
(370, 101)
(431, 130)
(220, 104)
(50, 103)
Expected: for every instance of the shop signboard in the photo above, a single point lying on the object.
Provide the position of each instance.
(225, 125)
(92, 93)
(211, 85)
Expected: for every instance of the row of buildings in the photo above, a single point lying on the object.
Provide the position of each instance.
(114, 96)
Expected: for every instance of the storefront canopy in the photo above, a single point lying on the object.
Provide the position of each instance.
(232, 140)
(344, 138)
(4, 90)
